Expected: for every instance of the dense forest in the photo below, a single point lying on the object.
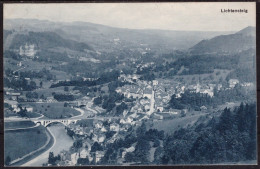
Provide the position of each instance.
(104, 78)
(228, 138)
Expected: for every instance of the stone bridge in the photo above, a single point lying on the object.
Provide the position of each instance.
(46, 122)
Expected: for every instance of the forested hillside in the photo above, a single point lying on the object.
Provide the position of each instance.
(229, 138)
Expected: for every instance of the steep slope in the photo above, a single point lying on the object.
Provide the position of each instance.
(232, 43)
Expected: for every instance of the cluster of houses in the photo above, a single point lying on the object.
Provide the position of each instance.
(71, 159)
(96, 131)
(163, 90)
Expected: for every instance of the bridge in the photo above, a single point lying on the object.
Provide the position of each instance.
(46, 122)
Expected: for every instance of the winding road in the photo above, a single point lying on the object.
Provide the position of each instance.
(61, 142)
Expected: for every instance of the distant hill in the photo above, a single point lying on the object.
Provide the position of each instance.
(45, 40)
(109, 38)
(240, 41)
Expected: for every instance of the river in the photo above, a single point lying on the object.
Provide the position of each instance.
(61, 142)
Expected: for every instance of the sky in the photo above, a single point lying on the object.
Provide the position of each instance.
(199, 16)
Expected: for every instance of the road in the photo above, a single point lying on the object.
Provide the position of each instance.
(61, 142)
(82, 112)
(152, 104)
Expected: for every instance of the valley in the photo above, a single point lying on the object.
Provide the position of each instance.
(127, 97)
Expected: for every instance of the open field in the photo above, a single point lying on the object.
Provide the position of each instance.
(35, 137)
(47, 92)
(54, 110)
(37, 152)
(170, 126)
(18, 124)
(207, 77)
(33, 114)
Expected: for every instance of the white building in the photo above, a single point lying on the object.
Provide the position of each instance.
(27, 50)
(114, 127)
(233, 82)
(99, 155)
(160, 108)
(130, 149)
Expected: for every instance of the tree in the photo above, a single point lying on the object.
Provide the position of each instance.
(22, 112)
(120, 109)
(98, 100)
(66, 104)
(129, 157)
(156, 143)
(77, 144)
(7, 160)
(66, 88)
(83, 161)
(32, 85)
(42, 96)
(41, 84)
(51, 159)
(140, 131)
(96, 147)
(32, 95)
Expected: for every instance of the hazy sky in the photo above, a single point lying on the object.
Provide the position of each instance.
(171, 16)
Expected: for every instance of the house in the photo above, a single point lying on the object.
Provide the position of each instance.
(83, 153)
(74, 158)
(144, 101)
(15, 96)
(73, 104)
(19, 64)
(207, 91)
(65, 155)
(155, 82)
(130, 149)
(29, 109)
(99, 155)
(157, 116)
(159, 108)
(147, 93)
(203, 108)
(147, 107)
(125, 127)
(98, 138)
(247, 84)
(101, 138)
(129, 120)
(233, 82)
(15, 108)
(103, 129)
(114, 127)
(122, 121)
(98, 125)
(50, 99)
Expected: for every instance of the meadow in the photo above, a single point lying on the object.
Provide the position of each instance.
(54, 110)
(18, 124)
(21, 142)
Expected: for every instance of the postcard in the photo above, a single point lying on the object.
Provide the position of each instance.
(127, 84)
